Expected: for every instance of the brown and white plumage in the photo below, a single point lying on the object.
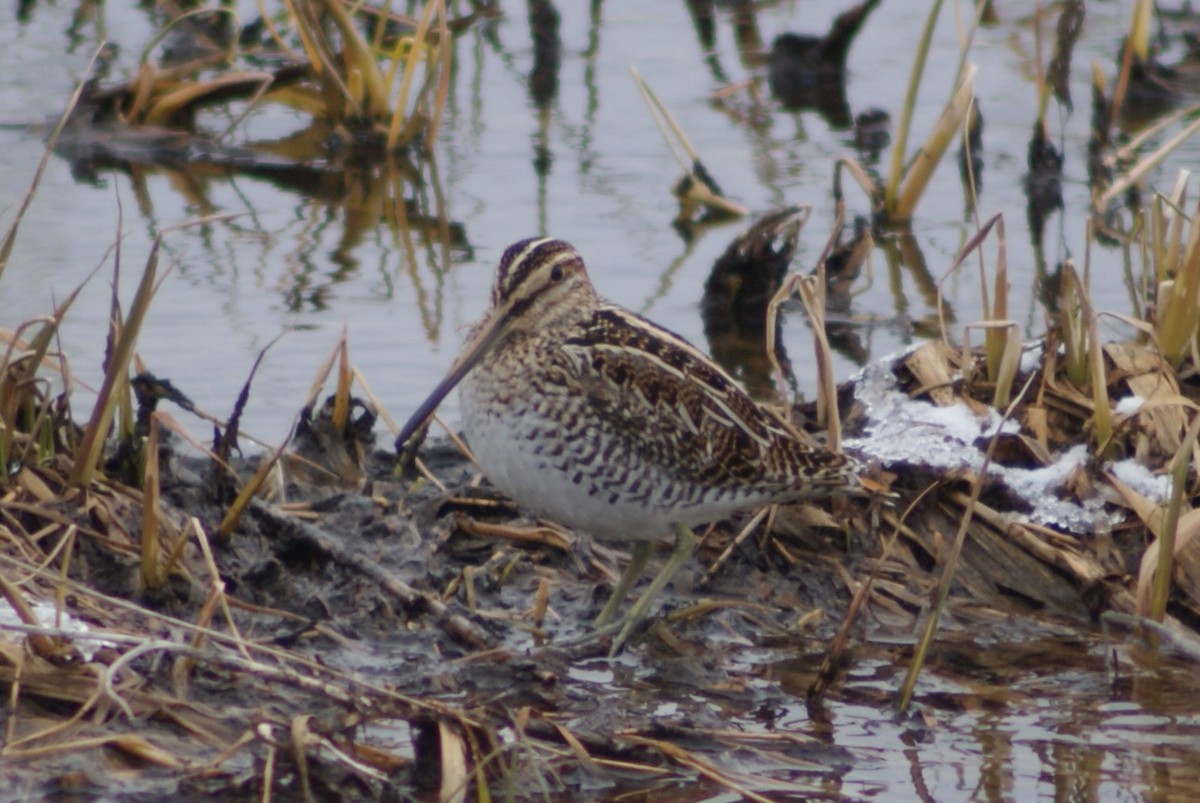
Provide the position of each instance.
(592, 416)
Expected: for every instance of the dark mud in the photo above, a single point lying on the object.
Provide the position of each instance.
(384, 588)
(392, 634)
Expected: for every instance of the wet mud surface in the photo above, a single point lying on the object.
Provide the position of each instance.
(393, 625)
(409, 636)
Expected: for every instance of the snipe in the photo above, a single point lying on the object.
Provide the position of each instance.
(593, 417)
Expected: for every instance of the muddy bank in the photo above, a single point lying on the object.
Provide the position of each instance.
(398, 638)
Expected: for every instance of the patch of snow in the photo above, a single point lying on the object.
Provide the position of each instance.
(1152, 486)
(1129, 405)
(45, 613)
(1037, 486)
(1031, 357)
(904, 430)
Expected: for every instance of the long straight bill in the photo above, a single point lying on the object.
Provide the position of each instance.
(472, 354)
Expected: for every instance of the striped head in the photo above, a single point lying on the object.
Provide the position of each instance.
(538, 281)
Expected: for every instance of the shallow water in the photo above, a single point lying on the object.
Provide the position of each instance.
(1053, 727)
(1034, 720)
(1016, 711)
(285, 263)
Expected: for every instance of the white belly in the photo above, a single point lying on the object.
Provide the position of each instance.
(566, 474)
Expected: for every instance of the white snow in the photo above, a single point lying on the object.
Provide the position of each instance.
(1152, 486)
(45, 613)
(904, 430)
(1031, 357)
(1129, 405)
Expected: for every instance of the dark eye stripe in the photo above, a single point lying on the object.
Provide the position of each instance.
(524, 258)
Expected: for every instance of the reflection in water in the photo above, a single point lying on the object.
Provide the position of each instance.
(1036, 718)
(742, 283)
(544, 21)
(543, 78)
(747, 276)
(970, 158)
(843, 267)
(1055, 729)
(809, 72)
(801, 81)
(747, 38)
(704, 19)
(1048, 286)
(543, 90)
(1043, 183)
(872, 133)
(353, 191)
(904, 256)
(745, 32)
(1156, 88)
(590, 89)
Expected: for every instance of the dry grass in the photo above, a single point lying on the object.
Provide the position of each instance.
(101, 540)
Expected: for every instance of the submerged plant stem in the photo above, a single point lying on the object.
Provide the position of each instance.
(892, 191)
(943, 589)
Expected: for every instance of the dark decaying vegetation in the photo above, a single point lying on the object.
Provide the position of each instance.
(228, 604)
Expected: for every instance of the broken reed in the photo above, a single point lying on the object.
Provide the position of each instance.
(1170, 253)
(380, 94)
(1175, 257)
(356, 89)
(1171, 249)
(267, 477)
(897, 200)
(1170, 246)
(353, 90)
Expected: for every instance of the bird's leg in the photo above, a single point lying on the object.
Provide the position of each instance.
(637, 564)
(605, 624)
(685, 544)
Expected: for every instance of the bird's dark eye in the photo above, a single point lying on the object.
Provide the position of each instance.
(556, 273)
